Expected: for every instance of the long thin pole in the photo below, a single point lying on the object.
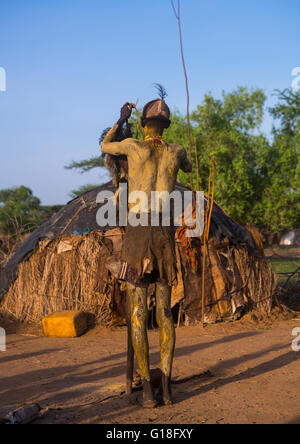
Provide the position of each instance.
(212, 197)
(203, 283)
(197, 164)
(203, 266)
(208, 214)
(178, 18)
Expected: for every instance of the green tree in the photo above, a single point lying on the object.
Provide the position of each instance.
(86, 165)
(281, 194)
(81, 190)
(227, 130)
(20, 210)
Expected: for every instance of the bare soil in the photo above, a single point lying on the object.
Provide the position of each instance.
(254, 378)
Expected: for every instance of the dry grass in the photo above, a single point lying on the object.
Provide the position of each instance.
(66, 274)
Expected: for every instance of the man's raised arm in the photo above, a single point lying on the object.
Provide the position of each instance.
(108, 145)
(186, 165)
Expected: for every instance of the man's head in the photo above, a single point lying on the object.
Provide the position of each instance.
(156, 110)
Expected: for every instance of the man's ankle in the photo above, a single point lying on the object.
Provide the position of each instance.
(148, 395)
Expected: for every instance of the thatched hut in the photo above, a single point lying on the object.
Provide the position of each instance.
(62, 266)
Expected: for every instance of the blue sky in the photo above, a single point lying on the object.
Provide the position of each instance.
(70, 65)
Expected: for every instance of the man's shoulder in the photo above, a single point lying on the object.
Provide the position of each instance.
(130, 141)
(137, 143)
(177, 148)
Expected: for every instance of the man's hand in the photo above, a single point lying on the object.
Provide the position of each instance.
(125, 113)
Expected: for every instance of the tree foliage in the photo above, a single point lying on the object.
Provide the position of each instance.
(281, 195)
(86, 165)
(21, 211)
(225, 130)
(257, 179)
(81, 190)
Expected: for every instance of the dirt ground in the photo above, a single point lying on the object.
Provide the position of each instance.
(255, 376)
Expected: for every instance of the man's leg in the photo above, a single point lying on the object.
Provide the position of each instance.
(139, 317)
(167, 339)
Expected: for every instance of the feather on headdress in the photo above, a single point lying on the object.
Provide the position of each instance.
(162, 92)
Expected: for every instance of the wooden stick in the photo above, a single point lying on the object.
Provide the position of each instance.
(211, 199)
(197, 164)
(203, 285)
(179, 315)
(203, 266)
(138, 119)
(208, 214)
(209, 185)
(178, 18)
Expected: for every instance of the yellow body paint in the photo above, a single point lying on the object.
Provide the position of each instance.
(139, 320)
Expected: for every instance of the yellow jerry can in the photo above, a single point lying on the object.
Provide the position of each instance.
(65, 324)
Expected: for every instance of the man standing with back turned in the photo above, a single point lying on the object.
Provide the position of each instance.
(148, 252)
